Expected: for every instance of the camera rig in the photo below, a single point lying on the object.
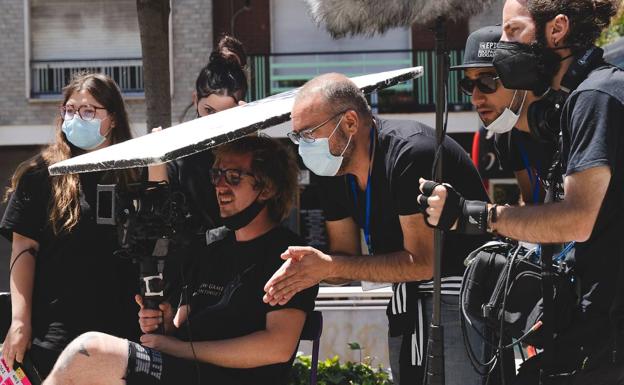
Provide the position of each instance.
(151, 219)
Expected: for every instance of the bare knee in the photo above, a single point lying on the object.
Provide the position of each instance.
(89, 354)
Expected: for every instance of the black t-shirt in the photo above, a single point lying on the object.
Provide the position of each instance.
(404, 152)
(517, 148)
(191, 176)
(592, 130)
(226, 295)
(79, 285)
(519, 151)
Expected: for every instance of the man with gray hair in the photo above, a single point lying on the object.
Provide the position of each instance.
(370, 169)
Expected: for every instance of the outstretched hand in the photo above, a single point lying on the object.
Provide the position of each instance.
(304, 267)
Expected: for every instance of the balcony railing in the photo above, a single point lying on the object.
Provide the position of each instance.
(49, 77)
(274, 73)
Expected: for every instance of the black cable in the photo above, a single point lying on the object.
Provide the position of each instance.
(501, 347)
(185, 289)
(463, 317)
(32, 251)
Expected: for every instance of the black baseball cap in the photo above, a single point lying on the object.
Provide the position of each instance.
(480, 48)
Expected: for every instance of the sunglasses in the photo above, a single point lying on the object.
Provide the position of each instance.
(232, 176)
(486, 83)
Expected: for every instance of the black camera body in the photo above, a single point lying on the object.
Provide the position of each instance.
(151, 219)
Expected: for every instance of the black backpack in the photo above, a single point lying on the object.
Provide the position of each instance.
(502, 288)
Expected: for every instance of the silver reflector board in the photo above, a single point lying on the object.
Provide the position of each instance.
(201, 134)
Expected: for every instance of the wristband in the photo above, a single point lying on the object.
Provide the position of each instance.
(474, 218)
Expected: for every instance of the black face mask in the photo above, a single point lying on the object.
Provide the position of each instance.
(528, 67)
(243, 218)
(544, 115)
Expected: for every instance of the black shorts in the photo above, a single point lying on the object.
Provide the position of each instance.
(147, 366)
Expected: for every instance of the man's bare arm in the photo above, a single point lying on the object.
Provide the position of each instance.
(570, 220)
(413, 263)
(343, 238)
(275, 344)
(307, 266)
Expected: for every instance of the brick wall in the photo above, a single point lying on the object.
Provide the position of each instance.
(12, 76)
(192, 44)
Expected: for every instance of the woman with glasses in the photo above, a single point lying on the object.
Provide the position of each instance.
(64, 277)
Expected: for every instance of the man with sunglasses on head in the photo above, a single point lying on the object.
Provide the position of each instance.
(223, 333)
(504, 115)
(369, 170)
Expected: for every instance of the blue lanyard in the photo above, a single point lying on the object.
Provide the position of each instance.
(369, 183)
(534, 178)
(559, 257)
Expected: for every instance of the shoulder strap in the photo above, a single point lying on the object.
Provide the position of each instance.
(548, 315)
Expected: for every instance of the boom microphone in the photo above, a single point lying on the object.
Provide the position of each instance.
(367, 17)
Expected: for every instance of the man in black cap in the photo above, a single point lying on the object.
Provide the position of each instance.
(504, 115)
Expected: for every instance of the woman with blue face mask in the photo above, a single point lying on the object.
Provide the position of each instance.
(64, 277)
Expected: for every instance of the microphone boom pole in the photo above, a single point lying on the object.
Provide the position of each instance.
(435, 344)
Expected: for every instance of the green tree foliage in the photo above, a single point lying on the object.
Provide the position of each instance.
(614, 30)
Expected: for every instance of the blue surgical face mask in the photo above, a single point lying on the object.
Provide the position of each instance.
(317, 157)
(82, 133)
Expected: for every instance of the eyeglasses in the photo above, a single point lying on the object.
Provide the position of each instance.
(306, 134)
(86, 112)
(232, 176)
(486, 83)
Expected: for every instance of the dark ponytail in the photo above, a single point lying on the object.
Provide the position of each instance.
(232, 49)
(225, 72)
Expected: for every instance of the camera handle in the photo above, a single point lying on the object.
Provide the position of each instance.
(151, 277)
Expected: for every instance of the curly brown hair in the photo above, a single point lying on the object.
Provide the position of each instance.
(587, 18)
(274, 166)
(64, 205)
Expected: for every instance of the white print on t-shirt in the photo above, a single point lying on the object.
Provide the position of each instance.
(209, 289)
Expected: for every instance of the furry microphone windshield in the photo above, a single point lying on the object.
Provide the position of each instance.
(367, 17)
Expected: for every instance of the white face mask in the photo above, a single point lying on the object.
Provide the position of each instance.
(507, 120)
(317, 157)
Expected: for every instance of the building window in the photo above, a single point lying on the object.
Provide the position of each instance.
(68, 36)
